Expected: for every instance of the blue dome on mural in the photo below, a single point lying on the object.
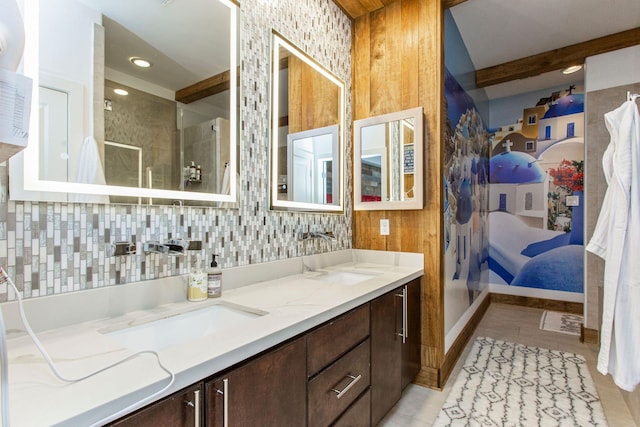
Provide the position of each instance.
(514, 167)
(465, 203)
(570, 104)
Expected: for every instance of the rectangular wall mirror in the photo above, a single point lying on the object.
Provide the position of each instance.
(136, 102)
(388, 165)
(307, 136)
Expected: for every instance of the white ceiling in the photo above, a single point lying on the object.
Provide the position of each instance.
(498, 31)
(494, 32)
(182, 38)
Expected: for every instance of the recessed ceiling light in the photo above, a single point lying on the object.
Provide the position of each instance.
(121, 92)
(140, 62)
(572, 69)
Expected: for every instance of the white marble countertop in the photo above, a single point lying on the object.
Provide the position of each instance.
(289, 292)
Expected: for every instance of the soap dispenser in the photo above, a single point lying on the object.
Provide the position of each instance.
(197, 287)
(214, 279)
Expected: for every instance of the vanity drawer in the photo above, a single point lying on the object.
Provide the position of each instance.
(334, 389)
(358, 414)
(327, 343)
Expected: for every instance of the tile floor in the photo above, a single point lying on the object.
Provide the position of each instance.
(419, 406)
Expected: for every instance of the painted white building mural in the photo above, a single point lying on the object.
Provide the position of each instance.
(535, 202)
(466, 199)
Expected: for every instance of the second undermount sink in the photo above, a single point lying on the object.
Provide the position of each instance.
(345, 277)
(157, 333)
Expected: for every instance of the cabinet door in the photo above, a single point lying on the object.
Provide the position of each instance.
(386, 350)
(177, 410)
(411, 348)
(267, 391)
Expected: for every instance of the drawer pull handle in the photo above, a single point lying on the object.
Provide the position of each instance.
(405, 320)
(196, 416)
(225, 401)
(354, 380)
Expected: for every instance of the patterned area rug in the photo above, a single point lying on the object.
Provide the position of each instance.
(561, 322)
(506, 384)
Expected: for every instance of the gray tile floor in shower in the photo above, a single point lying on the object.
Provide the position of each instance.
(419, 406)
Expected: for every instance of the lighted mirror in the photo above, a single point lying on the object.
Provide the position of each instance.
(136, 102)
(388, 171)
(307, 137)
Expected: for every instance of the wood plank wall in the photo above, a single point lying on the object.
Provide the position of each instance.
(314, 98)
(398, 64)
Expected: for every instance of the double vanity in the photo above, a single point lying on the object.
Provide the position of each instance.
(314, 340)
(303, 341)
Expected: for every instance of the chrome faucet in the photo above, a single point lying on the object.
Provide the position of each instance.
(327, 235)
(173, 247)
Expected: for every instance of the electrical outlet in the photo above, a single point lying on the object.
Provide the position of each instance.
(384, 227)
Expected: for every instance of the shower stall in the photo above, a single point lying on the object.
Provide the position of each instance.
(211, 137)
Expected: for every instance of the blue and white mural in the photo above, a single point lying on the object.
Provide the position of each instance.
(466, 178)
(535, 203)
(466, 185)
(512, 194)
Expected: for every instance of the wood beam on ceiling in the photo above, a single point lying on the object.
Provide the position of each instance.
(357, 8)
(446, 4)
(207, 87)
(555, 59)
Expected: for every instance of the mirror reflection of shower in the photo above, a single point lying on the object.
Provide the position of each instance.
(200, 134)
(123, 167)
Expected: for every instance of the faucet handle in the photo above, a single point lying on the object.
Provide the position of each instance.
(177, 246)
(155, 247)
(123, 248)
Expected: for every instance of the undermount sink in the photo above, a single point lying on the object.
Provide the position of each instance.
(343, 277)
(157, 333)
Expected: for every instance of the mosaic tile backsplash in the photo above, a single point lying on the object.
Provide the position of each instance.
(51, 248)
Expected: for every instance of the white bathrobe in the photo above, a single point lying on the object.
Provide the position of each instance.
(616, 238)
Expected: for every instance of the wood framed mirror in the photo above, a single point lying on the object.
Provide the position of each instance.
(388, 161)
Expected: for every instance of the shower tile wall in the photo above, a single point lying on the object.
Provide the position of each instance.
(198, 138)
(149, 122)
(51, 248)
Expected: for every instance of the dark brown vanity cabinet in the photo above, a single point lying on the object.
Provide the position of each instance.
(349, 371)
(395, 346)
(270, 390)
(338, 368)
(411, 359)
(181, 409)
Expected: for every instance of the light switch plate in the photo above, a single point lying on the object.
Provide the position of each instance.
(384, 227)
(572, 201)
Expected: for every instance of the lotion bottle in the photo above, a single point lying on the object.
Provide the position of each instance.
(197, 287)
(214, 279)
